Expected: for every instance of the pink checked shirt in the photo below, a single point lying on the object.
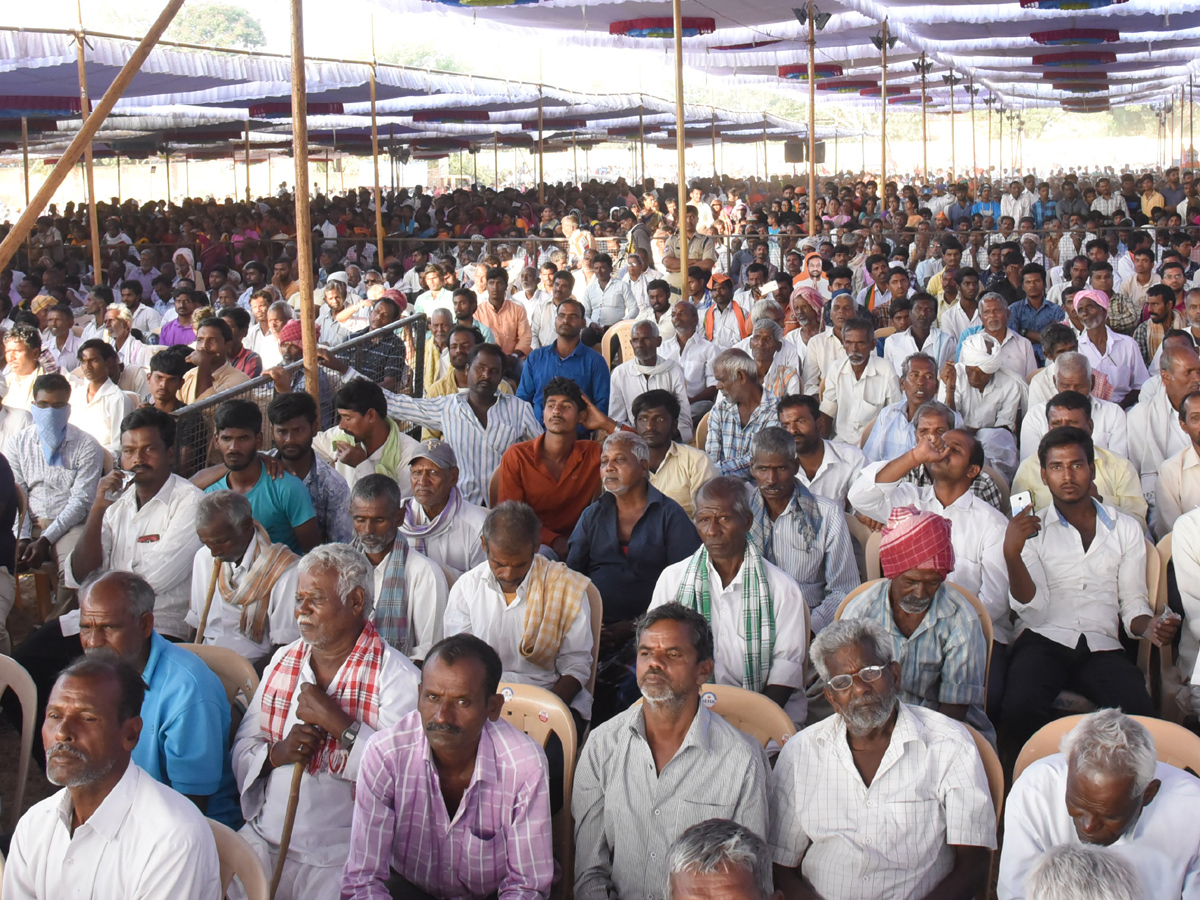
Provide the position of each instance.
(498, 841)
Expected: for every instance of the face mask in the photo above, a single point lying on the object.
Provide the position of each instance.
(52, 429)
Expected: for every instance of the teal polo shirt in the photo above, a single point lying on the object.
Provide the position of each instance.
(278, 505)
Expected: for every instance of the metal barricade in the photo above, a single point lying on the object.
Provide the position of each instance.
(392, 357)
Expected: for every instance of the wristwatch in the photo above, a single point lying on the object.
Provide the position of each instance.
(350, 735)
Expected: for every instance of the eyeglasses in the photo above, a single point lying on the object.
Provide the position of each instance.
(866, 675)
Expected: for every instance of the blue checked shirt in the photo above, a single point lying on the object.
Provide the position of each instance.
(478, 449)
(1022, 317)
(1044, 211)
(944, 660)
(728, 443)
(811, 543)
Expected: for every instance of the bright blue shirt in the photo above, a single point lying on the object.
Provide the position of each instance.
(185, 729)
(583, 365)
(991, 208)
(280, 504)
(1022, 317)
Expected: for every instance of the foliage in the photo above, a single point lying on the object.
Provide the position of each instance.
(217, 24)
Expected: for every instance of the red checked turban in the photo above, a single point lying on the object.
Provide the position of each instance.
(913, 539)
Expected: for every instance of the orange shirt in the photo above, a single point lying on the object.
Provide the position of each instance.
(559, 502)
(510, 325)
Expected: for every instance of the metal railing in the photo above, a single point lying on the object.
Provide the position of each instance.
(392, 356)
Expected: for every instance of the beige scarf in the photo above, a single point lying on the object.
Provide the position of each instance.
(553, 596)
(253, 595)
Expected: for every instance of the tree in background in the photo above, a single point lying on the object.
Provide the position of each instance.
(216, 24)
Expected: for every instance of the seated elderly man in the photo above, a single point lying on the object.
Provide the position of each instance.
(445, 774)
(1076, 572)
(692, 350)
(1067, 872)
(883, 800)
(320, 700)
(648, 371)
(719, 857)
(251, 607)
(824, 349)
(771, 355)
(1057, 339)
(1116, 355)
(1155, 433)
(1015, 352)
(1105, 789)
(676, 469)
(409, 588)
(893, 433)
(533, 611)
(639, 774)
(137, 838)
(938, 640)
(744, 407)
(436, 521)
(988, 397)
(859, 386)
(1116, 479)
(758, 614)
(57, 466)
(622, 543)
(1073, 372)
(801, 532)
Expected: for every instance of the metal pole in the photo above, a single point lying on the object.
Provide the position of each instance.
(308, 316)
(680, 149)
(990, 139)
(924, 125)
(716, 174)
(812, 121)
(375, 162)
(25, 156)
(85, 108)
(883, 115)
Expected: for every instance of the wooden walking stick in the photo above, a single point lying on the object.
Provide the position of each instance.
(289, 819)
(212, 586)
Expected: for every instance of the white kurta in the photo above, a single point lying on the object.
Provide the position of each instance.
(1108, 431)
(853, 402)
(458, 547)
(628, 383)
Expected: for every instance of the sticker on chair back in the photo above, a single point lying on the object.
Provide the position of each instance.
(543, 716)
(709, 699)
(506, 693)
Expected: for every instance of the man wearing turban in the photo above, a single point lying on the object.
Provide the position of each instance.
(988, 398)
(1116, 355)
(936, 634)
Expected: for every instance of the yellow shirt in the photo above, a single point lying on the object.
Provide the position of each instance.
(1116, 480)
(682, 472)
(223, 378)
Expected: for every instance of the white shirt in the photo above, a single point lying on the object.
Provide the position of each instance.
(852, 402)
(143, 841)
(146, 320)
(157, 542)
(892, 840)
(1154, 436)
(541, 323)
(224, 619)
(825, 352)
(1178, 489)
(729, 629)
(977, 535)
(1017, 207)
(101, 416)
(1122, 362)
(696, 357)
(458, 547)
(68, 356)
(900, 346)
(608, 305)
(954, 321)
(265, 345)
(1108, 428)
(726, 332)
(325, 448)
(321, 836)
(1015, 352)
(840, 465)
(477, 607)
(666, 328)
(1082, 592)
(425, 590)
(134, 354)
(628, 383)
(1185, 554)
(1161, 847)
(996, 406)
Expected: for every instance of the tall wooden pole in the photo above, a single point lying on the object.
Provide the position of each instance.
(883, 47)
(541, 161)
(1191, 117)
(642, 140)
(308, 315)
(120, 193)
(953, 150)
(924, 124)
(375, 163)
(25, 155)
(167, 166)
(575, 158)
(716, 174)
(680, 149)
(85, 108)
(247, 160)
(812, 120)
(989, 137)
(766, 168)
(974, 157)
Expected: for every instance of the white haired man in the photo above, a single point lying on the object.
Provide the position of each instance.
(720, 858)
(1107, 789)
(1068, 872)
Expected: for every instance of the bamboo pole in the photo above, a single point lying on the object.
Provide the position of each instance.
(167, 167)
(974, 157)
(812, 120)
(924, 124)
(496, 160)
(247, 160)
(883, 115)
(308, 316)
(1191, 117)
(680, 149)
(766, 167)
(953, 145)
(575, 158)
(85, 108)
(375, 163)
(120, 193)
(541, 152)
(25, 155)
(642, 139)
(91, 125)
(716, 174)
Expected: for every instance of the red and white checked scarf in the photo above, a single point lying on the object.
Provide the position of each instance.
(915, 539)
(356, 691)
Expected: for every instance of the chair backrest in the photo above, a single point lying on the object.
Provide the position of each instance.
(1176, 745)
(992, 767)
(234, 670)
(13, 676)
(1157, 599)
(621, 331)
(871, 556)
(493, 489)
(701, 435)
(596, 610)
(238, 858)
(754, 714)
(539, 713)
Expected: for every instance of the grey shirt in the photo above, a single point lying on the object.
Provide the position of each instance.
(627, 814)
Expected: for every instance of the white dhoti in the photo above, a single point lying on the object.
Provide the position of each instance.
(299, 881)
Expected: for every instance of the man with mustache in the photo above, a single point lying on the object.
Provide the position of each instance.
(446, 773)
(649, 370)
(641, 771)
(1105, 790)
(437, 521)
(859, 386)
(883, 799)
(321, 699)
(130, 835)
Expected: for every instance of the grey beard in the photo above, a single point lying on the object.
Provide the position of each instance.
(374, 543)
(864, 719)
(914, 606)
(90, 774)
(664, 699)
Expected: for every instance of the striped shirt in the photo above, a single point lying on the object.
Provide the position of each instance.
(628, 813)
(63, 493)
(478, 448)
(811, 543)
(944, 660)
(728, 441)
(498, 840)
(893, 839)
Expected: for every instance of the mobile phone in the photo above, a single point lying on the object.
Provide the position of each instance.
(1019, 501)
(769, 288)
